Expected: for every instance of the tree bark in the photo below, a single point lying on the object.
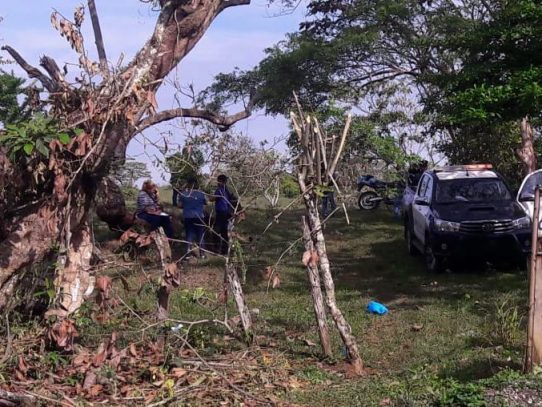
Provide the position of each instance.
(171, 277)
(316, 293)
(28, 244)
(526, 153)
(74, 279)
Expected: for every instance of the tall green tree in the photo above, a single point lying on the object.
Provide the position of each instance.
(499, 82)
(13, 99)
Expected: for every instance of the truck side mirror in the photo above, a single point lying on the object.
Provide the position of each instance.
(421, 202)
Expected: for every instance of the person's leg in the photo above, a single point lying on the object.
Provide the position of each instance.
(199, 229)
(168, 227)
(332, 200)
(189, 231)
(222, 220)
(174, 198)
(325, 204)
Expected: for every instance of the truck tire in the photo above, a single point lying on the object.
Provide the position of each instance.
(366, 201)
(433, 264)
(412, 249)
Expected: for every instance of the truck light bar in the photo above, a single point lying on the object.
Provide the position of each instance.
(468, 167)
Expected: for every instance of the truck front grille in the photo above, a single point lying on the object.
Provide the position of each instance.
(487, 226)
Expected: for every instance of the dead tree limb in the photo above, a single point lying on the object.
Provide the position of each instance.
(223, 122)
(32, 71)
(98, 37)
(307, 168)
(316, 292)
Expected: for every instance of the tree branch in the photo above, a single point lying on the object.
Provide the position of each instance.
(223, 122)
(232, 3)
(98, 37)
(32, 71)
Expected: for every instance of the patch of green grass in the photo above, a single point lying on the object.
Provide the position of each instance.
(445, 338)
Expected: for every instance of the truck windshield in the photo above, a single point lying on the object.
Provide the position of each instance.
(472, 190)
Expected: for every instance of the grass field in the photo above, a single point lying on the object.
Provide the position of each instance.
(454, 339)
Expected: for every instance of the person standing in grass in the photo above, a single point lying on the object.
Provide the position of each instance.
(225, 204)
(192, 201)
(150, 210)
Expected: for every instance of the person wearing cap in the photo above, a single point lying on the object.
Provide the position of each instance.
(150, 210)
(192, 201)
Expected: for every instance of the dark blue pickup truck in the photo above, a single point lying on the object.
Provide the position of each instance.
(463, 214)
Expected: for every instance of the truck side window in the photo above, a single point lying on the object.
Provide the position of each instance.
(429, 189)
(423, 186)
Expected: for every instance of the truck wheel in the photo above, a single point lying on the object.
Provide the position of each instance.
(367, 200)
(412, 249)
(433, 263)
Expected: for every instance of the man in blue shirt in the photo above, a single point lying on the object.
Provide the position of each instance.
(225, 204)
(192, 201)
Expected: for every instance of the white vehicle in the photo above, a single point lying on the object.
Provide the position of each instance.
(526, 192)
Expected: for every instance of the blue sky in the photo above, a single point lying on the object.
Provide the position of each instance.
(237, 38)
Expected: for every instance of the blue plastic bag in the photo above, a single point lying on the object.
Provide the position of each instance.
(376, 308)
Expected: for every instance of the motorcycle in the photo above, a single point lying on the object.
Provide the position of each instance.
(373, 191)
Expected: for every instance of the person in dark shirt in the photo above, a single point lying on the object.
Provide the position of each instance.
(192, 201)
(149, 209)
(225, 205)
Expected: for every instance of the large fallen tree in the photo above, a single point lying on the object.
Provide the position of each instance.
(49, 186)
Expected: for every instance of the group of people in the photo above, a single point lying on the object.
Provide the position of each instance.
(196, 222)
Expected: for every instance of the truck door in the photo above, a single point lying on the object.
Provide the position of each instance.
(421, 207)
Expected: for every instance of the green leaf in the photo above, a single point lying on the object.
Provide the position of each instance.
(28, 148)
(64, 138)
(43, 150)
(78, 132)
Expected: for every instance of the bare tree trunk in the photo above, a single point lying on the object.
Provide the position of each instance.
(527, 153)
(316, 292)
(237, 292)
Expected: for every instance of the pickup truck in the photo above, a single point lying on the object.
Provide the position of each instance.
(461, 214)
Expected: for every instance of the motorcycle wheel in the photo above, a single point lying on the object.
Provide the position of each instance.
(366, 201)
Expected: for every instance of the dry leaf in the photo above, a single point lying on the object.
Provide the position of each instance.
(308, 342)
(103, 283)
(100, 357)
(275, 282)
(133, 350)
(63, 333)
(143, 240)
(95, 390)
(416, 327)
(306, 258)
(268, 272)
(178, 372)
(128, 235)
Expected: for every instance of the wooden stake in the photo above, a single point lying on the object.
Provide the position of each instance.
(534, 329)
(316, 292)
